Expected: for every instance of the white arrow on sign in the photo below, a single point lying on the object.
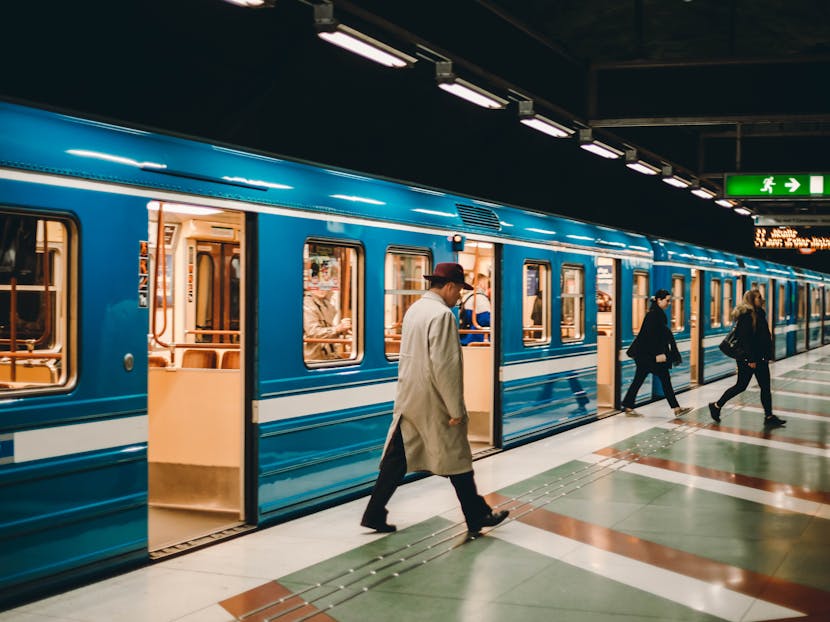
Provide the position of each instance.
(793, 184)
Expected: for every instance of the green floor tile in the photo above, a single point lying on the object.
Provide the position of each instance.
(815, 406)
(806, 564)
(800, 386)
(807, 374)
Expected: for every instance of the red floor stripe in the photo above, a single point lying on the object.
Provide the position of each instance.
(767, 434)
(269, 592)
(802, 598)
(759, 483)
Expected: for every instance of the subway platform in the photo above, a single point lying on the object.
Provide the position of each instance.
(626, 519)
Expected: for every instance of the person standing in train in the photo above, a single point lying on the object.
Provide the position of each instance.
(654, 350)
(754, 354)
(429, 422)
(475, 311)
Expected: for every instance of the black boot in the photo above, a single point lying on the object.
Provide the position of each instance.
(771, 421)
(714, 411)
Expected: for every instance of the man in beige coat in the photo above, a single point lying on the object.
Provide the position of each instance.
(429, 423)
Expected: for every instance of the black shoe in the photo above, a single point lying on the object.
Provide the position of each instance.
(488, 520)
(380, 526)
(714, 411)
(771, 421)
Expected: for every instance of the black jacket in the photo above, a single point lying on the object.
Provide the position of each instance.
(654, 338)
(755, 345)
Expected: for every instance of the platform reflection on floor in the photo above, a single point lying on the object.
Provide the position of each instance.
(629, 518)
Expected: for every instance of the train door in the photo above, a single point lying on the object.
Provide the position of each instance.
(607, 335)
(695, 359)
(477, 314)
(196, 376)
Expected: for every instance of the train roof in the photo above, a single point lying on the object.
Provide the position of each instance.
(669, 251)
(54, 143)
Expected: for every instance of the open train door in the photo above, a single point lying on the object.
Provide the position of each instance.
(196, 395)
(607, 335)
(695, 308)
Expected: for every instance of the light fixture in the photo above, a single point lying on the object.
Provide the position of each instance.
(541, 123)
(329, 29)
(252, 4)
(603, 150)
(701, 192)
(728, 203)
(743, 211)
(636, 164)
(674, 180)
(465, 90)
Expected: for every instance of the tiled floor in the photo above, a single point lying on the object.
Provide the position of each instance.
(629, 518)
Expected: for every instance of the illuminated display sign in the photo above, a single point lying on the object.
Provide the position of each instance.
(792, 238)
(777, 186)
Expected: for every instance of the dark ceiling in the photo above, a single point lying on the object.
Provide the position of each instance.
(678, 80)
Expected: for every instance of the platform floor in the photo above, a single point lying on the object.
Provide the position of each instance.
(626, 519)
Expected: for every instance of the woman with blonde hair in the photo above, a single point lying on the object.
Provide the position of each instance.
(754, 352)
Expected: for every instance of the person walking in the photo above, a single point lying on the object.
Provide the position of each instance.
(754, 352)
(654, 350)
(429, 422)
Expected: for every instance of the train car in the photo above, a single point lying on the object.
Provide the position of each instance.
(825, 339)
(198, 341)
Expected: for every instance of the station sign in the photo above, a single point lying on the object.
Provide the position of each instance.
(777, 186)
(792, 238)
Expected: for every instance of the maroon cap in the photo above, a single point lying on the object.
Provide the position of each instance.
(451, 272)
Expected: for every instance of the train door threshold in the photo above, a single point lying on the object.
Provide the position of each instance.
(484, 452)
(200, 542)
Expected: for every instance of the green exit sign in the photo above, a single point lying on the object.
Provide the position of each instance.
(777, 185)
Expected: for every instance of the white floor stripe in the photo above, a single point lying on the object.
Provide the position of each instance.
(787, 413)
(810, 380)
(772, 499)
(698, 595)
(752, 440)
(801, 395)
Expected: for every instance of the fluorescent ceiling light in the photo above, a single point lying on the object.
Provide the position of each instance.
(472, 93)
(541, 123)
(179, 208)
(367, 47)
(742, 211)
(636, 164)
(252, 4)
(674, 180)
(588, 143)
(725, 203)
(703, 193)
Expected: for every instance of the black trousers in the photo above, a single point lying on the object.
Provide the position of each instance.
(745, 373)
(392, 471)
(661, 372)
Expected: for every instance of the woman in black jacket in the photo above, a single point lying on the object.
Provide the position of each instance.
(754, 353)
(655, 351)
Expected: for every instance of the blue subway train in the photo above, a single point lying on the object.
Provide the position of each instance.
(198, 340)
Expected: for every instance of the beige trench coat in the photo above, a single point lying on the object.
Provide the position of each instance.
(431, 390)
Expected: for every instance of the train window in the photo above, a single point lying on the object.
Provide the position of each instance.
(815, 302)
(678, 308)
(639, 300)
(826, 301)
(782, 303)
(218, 275)
(714, 303)
(728, 301)
(572, 293)
(404, 284)
(331, 311)
(35, 302)
(535, 305)
(204, 295)
(802, 302)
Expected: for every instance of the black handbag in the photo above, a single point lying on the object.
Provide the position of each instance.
(729, 345)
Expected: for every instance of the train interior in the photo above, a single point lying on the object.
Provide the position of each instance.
(694, 321)
(479, 356)
(195, 377)
(607, 338)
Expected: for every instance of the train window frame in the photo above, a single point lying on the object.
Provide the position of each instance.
(715, 303)
(826, 301)
(728, 301)
(801, 302)
(356, 294)
(815, 303)
(61, 347)
(782, 302)
(639, 299)
(678, 310)
(534, 335)
(578, 297)
(399, 251)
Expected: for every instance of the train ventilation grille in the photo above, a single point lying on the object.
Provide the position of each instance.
(475, 216)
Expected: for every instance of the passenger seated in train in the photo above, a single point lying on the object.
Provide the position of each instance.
(320, 321)
(475, 305)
